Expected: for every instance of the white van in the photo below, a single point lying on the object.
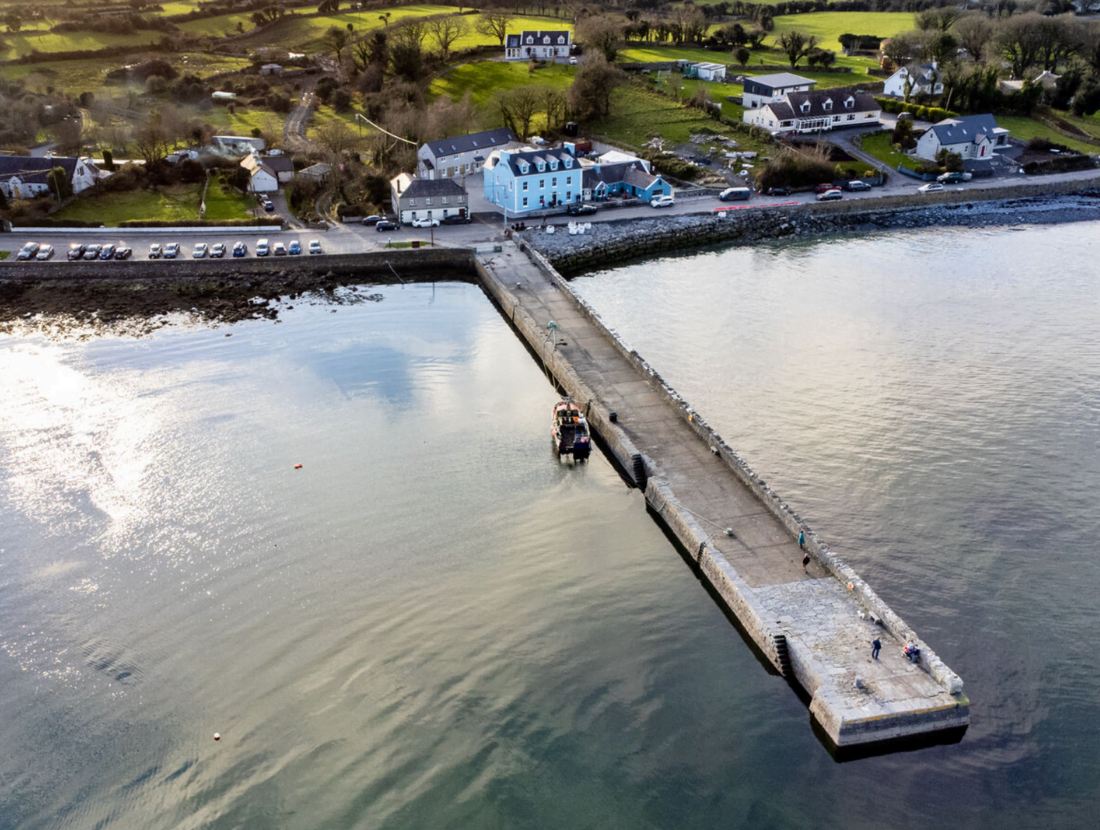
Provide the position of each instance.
(262, 248)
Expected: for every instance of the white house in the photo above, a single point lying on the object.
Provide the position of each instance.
(816, 111)
(920, 78)
(539, 46)
(427, 198)
(1046, 79)
(972, 137)
(22, 177)
(766, 89)
(266, 173)
(236, 144)
(459, 156)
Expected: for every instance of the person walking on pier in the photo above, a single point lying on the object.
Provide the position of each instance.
(801, 540)
(876, 646)
(805, 562)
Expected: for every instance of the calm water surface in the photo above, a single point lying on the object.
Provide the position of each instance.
(434, 624)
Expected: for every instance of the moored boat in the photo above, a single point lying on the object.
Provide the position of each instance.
(569, 430)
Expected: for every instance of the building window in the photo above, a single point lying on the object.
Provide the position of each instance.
(525, 201)
(525, 186)
(444, 200)
(542, 184)
(412, 202)
(851, 116)
(428, 202)
(554, 182)
(569, 180)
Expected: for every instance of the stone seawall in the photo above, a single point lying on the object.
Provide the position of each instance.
(610, 243)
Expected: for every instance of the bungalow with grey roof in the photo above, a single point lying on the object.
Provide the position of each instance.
(972, 137)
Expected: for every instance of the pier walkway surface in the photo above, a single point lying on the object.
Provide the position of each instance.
(815, 625)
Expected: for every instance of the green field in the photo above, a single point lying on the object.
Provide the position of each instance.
(828, 26)
(307, 34)
(88, 75)
(483, 79)
(242, 121)
(23, 44)
(224, 203)
(220, 26)
(1025, 128)
(772, 57)
(176, 204)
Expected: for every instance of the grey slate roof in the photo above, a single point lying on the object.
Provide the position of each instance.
(486, 140)
(606, 173)
(793, 106)
(636, 177)
(967, 129)
(34, 170)
(278, 164)
(516, 41)
(532, 158)
(922, 74)
(421, 188)
(781, 79)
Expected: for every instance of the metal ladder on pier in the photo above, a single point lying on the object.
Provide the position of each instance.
(782, 656)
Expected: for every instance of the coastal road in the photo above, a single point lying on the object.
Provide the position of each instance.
(486, 227)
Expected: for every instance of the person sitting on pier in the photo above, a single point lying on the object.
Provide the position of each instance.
(912, 651)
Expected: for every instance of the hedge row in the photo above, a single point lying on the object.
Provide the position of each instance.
(1059, 164)
(892, 105)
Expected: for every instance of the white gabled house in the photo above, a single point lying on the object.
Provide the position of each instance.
(462, 155)
(266, 173)
(23, 177)
(539, 46)
(972, 137)
(920, 78)
(817, 111)
(427, 198)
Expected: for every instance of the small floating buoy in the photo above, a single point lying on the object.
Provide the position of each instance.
(299, 466)
(851, 587)
(217, 736)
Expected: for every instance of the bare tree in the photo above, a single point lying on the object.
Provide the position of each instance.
(518, 108)
(336, 137)
(445, 31)
(974, 32)
(589, 95)
(494, 24)
(600, 33)
(337, 38)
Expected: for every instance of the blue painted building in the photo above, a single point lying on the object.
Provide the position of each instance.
(544, 179)
(532, 179)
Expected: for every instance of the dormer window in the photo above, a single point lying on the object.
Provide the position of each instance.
(850, 102)
(561, 40)
(568, 162)
(804, 106)
(828, 105)
(553, 164)
(541, 165)
(530, 39)
(524, 167)
(546, 40)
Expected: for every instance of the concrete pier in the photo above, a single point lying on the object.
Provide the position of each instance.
(815, 626)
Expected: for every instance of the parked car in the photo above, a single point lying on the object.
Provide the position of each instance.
(662, 201)
(931, 187)
(269, 205)
(373, 219)
(386, 225)
(122, 252)
(572, 61)
(578, 209)
(953, 178)
(240, 249)
(426, 222)
(76, 250)
(295, 247)
(263, 247)
(200, 250)
(830, 195)
(107, 252)
(821, 188)
(455, 219)
(905, 116)
(44, 252)
(217, 250)
(92, 251)
(171, 250)
(155, 251)
(28, 251)
(856, 185)
(278, 249)
(315, 246)
(735, 194)
(778, 191)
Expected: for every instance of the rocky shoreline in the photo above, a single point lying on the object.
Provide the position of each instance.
(610, 243)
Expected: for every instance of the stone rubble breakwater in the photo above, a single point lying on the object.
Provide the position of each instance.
(610, 243)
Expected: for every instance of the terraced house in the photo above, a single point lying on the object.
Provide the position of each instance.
(532, 180)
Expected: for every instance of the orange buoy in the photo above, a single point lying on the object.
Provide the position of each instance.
(297, 466)
(217, 736)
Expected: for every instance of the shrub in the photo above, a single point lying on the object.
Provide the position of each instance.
(796, 168)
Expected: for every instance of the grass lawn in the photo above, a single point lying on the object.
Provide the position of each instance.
(484, 78)
(5, 254)
(519, 23)
(225, 203)
(306, 34)
(78, 76)
(643, 53)
(242, 121)
(176, 203)
(828, 26)
(1024, 128)
(219, 26)
(881, 147)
